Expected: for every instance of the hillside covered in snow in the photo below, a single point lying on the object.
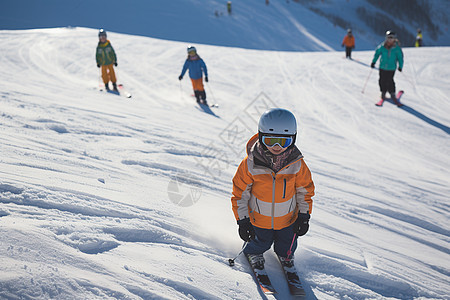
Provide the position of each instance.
(105, 197)
(288, 25)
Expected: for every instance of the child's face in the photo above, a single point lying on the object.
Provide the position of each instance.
(102, 38)
(390, 41)
(277, 149)
(192, 53)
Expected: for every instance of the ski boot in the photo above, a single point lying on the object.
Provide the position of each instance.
(203, 97)
(256, 261)
(287, 262)
(395, 100)
(115, 87)
(197, 96)
(107, 86)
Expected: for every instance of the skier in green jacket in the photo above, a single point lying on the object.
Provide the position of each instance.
(106, 58)
(391, 54)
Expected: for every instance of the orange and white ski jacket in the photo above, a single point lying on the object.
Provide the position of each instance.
(271, 200)
(349, 41)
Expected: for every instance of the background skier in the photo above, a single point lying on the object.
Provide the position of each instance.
(196, 67)
(391, 54)
(349, 43)
(106, 58)
(229, 7)
(272, 190)
(419, 42)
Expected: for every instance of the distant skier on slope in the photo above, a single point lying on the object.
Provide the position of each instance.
(349, 43)
(272, 190)
(196, 67)
(229, 7)
(391, 54)
(419, 38)
(106, 58)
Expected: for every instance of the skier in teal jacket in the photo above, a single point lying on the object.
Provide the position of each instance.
(391, 54)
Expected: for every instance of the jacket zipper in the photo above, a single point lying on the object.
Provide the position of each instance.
(273, 191)
(273, 199)
(284, 189)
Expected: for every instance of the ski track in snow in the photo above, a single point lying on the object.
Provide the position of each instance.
(85, 209)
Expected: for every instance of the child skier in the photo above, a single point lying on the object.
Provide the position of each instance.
(106, 57)
(196, 67)
(391, 54)
(349, 43)
(419, 38)
(272, 190)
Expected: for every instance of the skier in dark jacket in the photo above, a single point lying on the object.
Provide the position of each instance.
(196, 67)
(391, 54)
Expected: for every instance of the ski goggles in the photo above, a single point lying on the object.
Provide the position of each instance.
(282, 141)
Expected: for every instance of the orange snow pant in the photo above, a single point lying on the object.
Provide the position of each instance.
(197, 84)
(108, 74)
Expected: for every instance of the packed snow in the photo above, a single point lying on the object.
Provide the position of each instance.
(106, 197)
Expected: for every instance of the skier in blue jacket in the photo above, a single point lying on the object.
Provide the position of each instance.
(391, 54)
(196, 67)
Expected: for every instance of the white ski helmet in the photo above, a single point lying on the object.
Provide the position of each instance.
(102, 32)
(191, 48)
(277, 121)
(390, 34)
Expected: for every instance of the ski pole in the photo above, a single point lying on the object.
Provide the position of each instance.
(290, 248)
(100, 81)
(231, 260)
(181, 92)
(210, 90)
(364, 88)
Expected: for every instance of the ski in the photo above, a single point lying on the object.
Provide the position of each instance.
(112, 91)
(380, 103)
(262, 279)
(125, 92)
(210, 105)
(215, 105)
(293, 280)
(397, 98)
(120, 87)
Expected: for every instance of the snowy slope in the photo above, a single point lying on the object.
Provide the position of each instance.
(107, 197)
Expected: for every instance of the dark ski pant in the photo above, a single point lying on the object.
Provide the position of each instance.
(264, 239)
(348, 52)
(386, 81)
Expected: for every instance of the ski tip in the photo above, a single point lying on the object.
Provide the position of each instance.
(379, 103)
(270, 293)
